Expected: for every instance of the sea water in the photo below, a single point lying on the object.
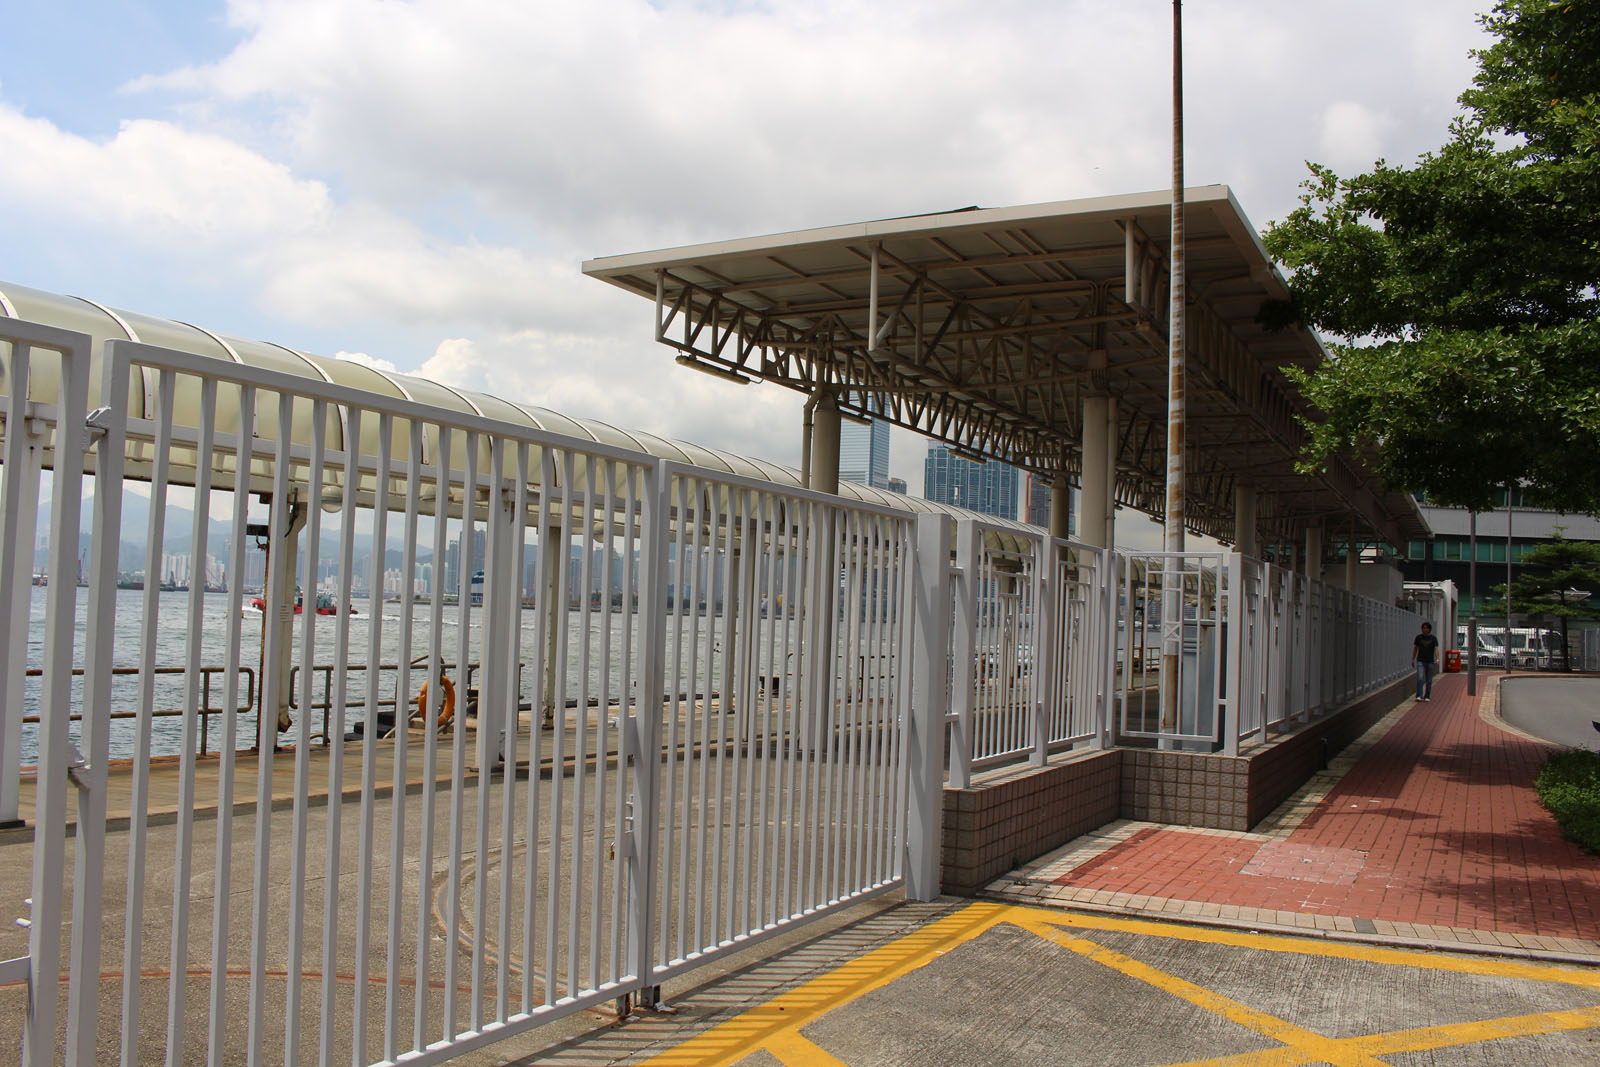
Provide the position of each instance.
(171, 650)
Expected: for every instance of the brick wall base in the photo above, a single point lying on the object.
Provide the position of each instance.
(1020, 813)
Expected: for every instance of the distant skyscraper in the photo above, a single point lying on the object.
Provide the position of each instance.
(897, 485)
(864, 452)
(987, 487)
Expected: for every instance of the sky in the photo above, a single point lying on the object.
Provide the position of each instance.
(416, 184)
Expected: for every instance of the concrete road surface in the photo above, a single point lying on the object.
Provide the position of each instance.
(1558, 709)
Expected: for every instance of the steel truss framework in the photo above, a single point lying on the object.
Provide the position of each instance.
(985, 329)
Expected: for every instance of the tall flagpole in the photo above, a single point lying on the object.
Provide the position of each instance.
(1172, 598)
(1175, 302)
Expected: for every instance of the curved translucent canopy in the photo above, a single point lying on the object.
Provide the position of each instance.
(103, 323)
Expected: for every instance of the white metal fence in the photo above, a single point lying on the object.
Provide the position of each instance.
(666, 714)
(643, 714)
(1198, 651)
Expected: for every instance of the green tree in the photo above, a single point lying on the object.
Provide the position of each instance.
(1464, 288)
(1559, 580)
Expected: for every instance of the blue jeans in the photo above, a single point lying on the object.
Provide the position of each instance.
(1424, 678)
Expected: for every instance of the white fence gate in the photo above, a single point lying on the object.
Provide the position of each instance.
(641, 715)
(518, 723)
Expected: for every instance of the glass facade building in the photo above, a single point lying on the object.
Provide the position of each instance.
(864, 453)
(987, 487)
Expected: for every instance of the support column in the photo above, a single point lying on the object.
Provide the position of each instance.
(1060, 507)
(277, 719)
(1244, 521)
(1314, 552)
(1352, 562)
(825, 444)
(1111, 471)
(1092, 510)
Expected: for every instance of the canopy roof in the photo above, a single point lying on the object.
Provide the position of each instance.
(985, 328)
(103, 323)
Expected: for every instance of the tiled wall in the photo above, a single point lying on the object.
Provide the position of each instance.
(1004, 823)
(1191, 789)
(1025, 812)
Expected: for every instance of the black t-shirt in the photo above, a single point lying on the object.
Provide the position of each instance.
(1423, 647)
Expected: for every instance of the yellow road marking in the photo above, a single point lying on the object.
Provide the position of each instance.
(1316, 1046)
(1423, 1039)
(1484, 965)
(775, 1025)
(795, 1050)
(755, 1029)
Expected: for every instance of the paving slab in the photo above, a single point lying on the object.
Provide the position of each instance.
(1428, 831)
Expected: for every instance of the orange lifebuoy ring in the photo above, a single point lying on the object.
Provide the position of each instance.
(447, 710)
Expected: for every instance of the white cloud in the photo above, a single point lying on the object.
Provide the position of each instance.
(1353, 136)
(367, 361)
(433, 172)
(156, 180)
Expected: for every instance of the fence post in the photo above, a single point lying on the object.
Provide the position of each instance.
(1111, 592)
(56, 750)
(24, 447)
(641, 734)
(961, 647)
(1042, 641)
(1231, 712)
(930, 587)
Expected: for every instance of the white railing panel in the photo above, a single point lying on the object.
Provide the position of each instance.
(44, 375)
(465, 903)
(785, 712)
(1076, 661)
(1173, 692)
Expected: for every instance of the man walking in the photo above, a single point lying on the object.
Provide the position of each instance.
(1424, 657)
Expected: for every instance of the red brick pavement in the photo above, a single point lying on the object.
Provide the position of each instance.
(1437, 823)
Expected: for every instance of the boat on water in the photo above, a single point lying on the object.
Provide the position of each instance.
(324, 604)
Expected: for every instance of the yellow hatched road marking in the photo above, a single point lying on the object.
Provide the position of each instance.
(1423, 1039)
(793, 1049)
(757, 1028)
(1486, 965)
(1317, 1047)
(775, 1025)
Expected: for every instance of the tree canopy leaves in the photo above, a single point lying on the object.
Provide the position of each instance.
(1464, 287)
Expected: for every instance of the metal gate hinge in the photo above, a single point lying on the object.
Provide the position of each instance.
(98, 423)
(78, 770)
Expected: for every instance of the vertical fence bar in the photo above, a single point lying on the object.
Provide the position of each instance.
(575, 927)
(429, 711)
(629, 708)
(458, 734)
(366, 838)
(227, 751)
(334, 735)
(89, 864)
(183, 855)
(512, 676)
(963, 648)
(18, 531)
(55, 706)
(553, 915)
(133, 928)
(549, 560)
(311, 542)
(930, 591)
(645, 729)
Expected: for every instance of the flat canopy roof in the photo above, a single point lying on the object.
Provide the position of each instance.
(986, 328)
